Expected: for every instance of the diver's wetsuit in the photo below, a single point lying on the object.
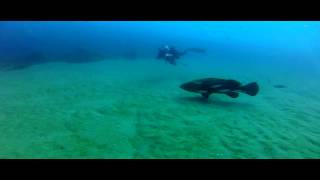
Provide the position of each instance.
(169, 54)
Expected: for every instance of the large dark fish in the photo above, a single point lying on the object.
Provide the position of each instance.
(231, 88)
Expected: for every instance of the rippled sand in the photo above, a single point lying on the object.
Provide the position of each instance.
(123, 109)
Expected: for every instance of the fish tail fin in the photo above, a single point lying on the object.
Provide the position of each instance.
(251, 89)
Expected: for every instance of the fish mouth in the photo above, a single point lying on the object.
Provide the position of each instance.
(186, 87)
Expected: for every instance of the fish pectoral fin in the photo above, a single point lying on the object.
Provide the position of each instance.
(232, 94)
(205, 94)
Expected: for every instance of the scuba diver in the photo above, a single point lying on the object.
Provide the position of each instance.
(170, 54)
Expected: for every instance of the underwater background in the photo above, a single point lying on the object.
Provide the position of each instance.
(77, 89)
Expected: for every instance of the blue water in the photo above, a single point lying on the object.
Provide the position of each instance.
(291, 43)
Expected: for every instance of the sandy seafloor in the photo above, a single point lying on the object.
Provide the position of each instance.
(135, 109)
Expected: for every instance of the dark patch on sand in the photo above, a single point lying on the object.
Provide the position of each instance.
(279, 86)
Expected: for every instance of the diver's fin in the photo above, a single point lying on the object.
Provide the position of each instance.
(251, 89)
(195, 50)
(205, 94)
(231, 94)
